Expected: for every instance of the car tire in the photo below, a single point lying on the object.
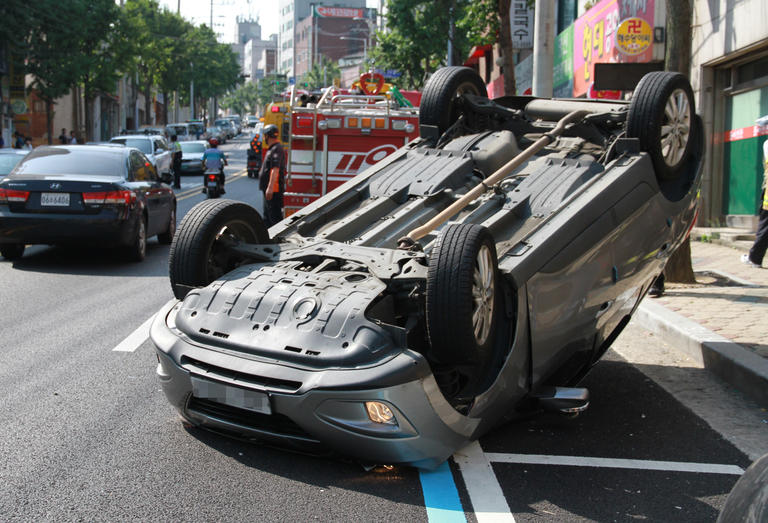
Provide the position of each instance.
(137, 250)
(439, 103)
(194, 259)
(748, 500)
(462, 289)
(661, 116)
(166, 238)
(12, 251)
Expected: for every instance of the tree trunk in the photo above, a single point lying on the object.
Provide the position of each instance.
(679, 268)
(507, 51)
(165, 108)
(49, 120)
(147, 103)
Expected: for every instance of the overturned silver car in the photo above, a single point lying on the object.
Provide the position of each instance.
(473, 276)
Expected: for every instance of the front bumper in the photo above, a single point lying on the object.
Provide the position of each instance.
(318, 411)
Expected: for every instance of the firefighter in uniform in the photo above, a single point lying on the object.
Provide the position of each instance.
(272, 176)
(176, 159)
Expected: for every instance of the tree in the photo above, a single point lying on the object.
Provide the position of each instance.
(322, 73)
(678, 58)
(243, 100)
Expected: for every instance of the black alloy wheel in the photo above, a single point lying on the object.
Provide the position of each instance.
(167, 237)
(12, 251)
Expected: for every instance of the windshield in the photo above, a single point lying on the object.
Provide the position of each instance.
(8, 161)
(222, 123)
(177, 129)
(141, 144)
(196, 127)
(87, 161)
(192, 148)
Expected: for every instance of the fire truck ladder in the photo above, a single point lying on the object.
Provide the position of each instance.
(304, 137)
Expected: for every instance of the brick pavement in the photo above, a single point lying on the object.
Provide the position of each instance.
(729, 298)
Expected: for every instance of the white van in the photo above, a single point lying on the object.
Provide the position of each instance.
(182, 131)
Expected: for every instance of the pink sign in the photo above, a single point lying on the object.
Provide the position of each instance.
(340, 12)
(594, 38)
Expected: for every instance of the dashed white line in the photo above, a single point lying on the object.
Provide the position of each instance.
(488, 501)
(136, 338)
(578, 461)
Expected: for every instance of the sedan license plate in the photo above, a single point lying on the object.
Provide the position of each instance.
(233, 396)
(55, 199)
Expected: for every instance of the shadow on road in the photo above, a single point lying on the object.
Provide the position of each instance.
(94, 261)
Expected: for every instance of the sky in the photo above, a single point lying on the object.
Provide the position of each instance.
(225, 13)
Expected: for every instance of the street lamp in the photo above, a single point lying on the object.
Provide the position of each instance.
(365, 48)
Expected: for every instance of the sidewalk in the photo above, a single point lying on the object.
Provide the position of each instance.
(722, 320)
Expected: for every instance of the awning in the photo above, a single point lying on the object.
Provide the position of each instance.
(476, 53)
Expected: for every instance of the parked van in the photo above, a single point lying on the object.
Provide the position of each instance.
(182, 131)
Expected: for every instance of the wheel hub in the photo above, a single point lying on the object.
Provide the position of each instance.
(482, 294)
(676, 129)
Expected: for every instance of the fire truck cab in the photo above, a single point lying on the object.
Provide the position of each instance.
(342, 134)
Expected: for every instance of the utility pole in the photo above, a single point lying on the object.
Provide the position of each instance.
(543, 47)
(176, 91)
(449, 57)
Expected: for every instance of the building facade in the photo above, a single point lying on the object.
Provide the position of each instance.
(293, 12)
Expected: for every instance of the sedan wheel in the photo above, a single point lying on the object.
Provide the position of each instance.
(138, 250)
(167, 237)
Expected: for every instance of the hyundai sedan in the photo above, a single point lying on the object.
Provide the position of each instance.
(99, 194)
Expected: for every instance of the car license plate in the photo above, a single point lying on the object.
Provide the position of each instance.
(233, 396)
(55, 199)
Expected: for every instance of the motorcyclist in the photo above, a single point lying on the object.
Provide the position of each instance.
(214, 160)
(254, 156)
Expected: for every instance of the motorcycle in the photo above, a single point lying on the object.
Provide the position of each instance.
(254, 163)
(214, 183)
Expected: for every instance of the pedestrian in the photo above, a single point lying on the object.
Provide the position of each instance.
(28, 144)
(18, 141)
(757, 252)
(72, 137)
(63, 136)
(272, 176)
(176, 158)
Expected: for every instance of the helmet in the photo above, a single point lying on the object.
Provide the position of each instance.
(214, 142)
(270, 130)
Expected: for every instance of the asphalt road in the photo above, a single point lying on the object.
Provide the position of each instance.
(87, 434)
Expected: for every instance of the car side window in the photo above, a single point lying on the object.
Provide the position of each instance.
(139, 169)
(159, 145)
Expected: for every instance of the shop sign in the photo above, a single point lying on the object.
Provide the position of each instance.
(339, 12)
(633, 36)
(521, 20)
(594, 38)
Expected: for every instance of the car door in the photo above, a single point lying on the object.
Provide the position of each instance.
(162, 155)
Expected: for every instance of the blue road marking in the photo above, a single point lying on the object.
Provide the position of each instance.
(440, 496)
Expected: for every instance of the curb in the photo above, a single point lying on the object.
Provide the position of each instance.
(736, 365)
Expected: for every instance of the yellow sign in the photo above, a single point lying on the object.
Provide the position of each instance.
(633, 36)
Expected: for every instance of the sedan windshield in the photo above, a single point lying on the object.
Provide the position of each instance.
(192, 148)
(86, 161)
(141, 144)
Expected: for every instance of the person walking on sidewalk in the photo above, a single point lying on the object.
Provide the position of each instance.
(757, 252)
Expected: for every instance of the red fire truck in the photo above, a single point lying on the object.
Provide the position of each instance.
(331, 141)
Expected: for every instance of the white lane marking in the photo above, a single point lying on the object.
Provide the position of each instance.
(577, 461)
(488, 501)
(136, 338)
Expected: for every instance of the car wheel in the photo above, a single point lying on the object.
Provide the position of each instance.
(462, 291)
(137, 251)
(439, 103)
(199, 253)
(748, 500)
(12, 251)
(167, 237)
(661, 116)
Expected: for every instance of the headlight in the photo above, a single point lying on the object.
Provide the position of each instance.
(380, 413)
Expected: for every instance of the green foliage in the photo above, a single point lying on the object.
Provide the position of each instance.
(417, 42)
(243, 100)
(270, 88)
(321, 74)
